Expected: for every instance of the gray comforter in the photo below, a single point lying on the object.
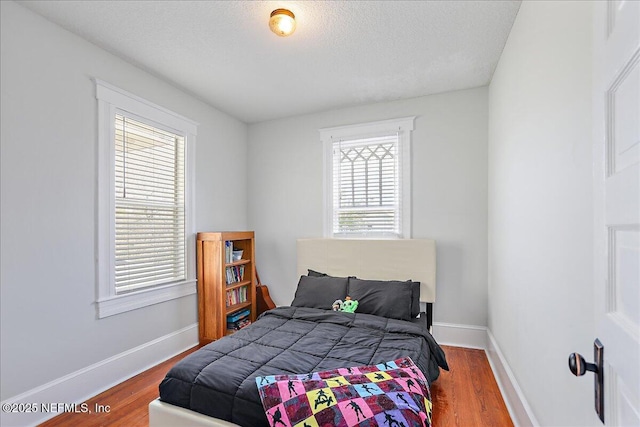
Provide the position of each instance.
(219, 379)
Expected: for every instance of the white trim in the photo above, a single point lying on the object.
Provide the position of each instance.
(457, 335)
(135, 104)
(126, 302)
(110, 100)
(404, 126)
(519, 409)
(85, 383)
(361, 130)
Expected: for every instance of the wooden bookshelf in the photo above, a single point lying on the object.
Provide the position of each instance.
(218, 298)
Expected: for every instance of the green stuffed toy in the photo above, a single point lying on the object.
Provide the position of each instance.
(349, 305)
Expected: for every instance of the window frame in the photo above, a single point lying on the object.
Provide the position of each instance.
(404, 127)
(112, 100)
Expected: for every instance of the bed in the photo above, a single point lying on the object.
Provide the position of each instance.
(394, 282)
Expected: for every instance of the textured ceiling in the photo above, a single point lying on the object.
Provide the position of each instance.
(343, 53)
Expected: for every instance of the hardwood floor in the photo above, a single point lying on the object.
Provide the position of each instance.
(127, 401)
(467, 395)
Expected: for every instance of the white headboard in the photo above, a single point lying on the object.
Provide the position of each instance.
(402, 259)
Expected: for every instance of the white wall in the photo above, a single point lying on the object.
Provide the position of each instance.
(449, 192)
(48, 167)
(540, 208)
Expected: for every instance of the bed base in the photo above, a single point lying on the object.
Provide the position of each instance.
(163, 414)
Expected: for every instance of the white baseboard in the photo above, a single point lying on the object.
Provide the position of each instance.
(85, 383)
(470, 336)
(519, 409)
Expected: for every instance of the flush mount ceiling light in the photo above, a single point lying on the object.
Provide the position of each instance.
(282, 22)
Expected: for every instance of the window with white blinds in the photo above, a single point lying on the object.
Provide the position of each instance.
(145, 228)
(149, 205)
(367, 179)
(366, 186)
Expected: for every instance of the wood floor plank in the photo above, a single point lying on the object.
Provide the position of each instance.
(467, 395)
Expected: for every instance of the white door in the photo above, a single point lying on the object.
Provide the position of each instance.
(616, 121)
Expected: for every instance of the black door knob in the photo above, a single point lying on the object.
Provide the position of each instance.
(578, 366)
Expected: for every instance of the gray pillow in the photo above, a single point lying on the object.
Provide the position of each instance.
(392, 299)
(314, 273)
(319, 292)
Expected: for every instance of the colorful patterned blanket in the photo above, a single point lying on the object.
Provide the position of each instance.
(391, 394)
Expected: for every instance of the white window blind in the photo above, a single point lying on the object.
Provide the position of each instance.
(150, 242)
(366, 186)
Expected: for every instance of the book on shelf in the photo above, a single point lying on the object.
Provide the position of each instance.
(236, 326)
(228, 251)
(236, 296)
(234, 274)
(238, 315)
(238, 320)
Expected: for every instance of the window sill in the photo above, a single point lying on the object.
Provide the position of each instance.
(372, 236)
(143, 298)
